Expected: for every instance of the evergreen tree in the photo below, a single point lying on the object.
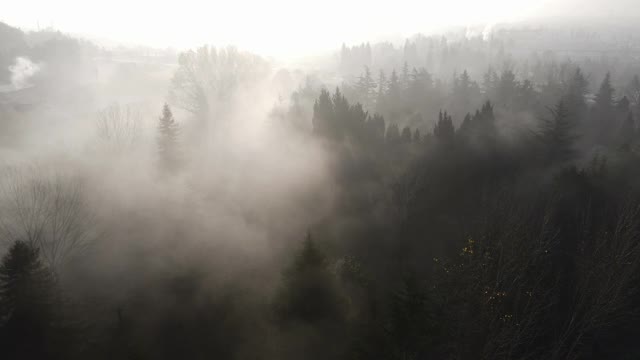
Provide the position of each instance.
(394, 95)
(574, 97)
(465, 95)
(26, 304)
(310, 292)
(366, 87)
(406, 135)
(393, 134)
(168, 131)
(633, 93)
(444, 131)
(382, 90)
(410, 327)
(556, 135)
(394, 85)
(416, 136)
(604, 115)
(604, 97)
(627, 131)
(323, 115)
(405, 76)
(376, 128)
(490, 84)
(507, 89)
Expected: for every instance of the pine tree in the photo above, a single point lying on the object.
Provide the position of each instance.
(604, 97)
(416, 136)
(366, 87)
(574, 96)
(309, 292)
(405, 76)
(168, 131)
(394, 84)
(406, 135)
(444, 131)
(410, 327)
(627, 131)
(556, 135)
(633, 91)
(393, 134)
(507, 88)
(376, 128)
(394, 94)
(604, 114)
(26, 303)
(323, 115)
(382, 91)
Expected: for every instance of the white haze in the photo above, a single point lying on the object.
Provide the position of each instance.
(270, 28)
(22, 71)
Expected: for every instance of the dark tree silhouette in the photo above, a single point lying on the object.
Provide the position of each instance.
(168, 131)
(556, 134)
(444, 131)
(26, 304)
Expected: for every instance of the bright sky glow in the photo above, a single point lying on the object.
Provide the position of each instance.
(278, 27)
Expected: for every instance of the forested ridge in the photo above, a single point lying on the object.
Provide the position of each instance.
(412, 209)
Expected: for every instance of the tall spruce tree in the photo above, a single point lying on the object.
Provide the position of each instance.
(556, 135)
(168, 131)
(26, 304)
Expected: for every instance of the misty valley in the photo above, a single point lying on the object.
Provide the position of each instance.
(471, 193)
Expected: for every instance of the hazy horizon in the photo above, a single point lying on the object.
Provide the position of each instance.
(286, 28)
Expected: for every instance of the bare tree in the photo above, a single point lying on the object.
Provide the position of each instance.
(119, 125)
(208, 75)
(50, 212)
(609, 272)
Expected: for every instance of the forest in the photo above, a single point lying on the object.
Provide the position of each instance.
(465, 195)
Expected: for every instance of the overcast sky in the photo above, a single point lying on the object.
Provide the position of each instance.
(282, 27)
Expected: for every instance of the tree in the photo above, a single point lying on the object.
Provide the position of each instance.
(309, 292)
(604, 114)
(26, 303)
(406, 135)
(556, 135)
(376, 127)
(311, 307)
(507, 89)
(207, 78)
(393, 134)
(574, 96)
(382, 91)
(416, 136)
(323, 116)
(394, 88)
(444, 130)
(465, 95)
(366, 87)
(48, 211)
(405, 76)
(490, 84)
(633, 93)
(604, 97)
(168, 131)
(410, 326)
(627, 131)
(119, 126)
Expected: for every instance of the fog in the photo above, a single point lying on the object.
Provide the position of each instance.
(275, 180)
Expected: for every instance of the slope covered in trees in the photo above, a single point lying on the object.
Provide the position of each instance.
(412, 208)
